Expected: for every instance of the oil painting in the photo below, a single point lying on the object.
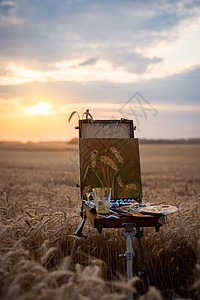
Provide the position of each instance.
(110, 163)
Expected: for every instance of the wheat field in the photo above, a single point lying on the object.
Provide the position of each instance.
(39, 209)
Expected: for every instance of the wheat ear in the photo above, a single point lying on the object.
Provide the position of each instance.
(73, 113)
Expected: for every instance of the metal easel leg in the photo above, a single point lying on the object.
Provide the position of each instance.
(145, 271)
(129, 233)
(79, 234)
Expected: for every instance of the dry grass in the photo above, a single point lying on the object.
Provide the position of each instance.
(39, 209)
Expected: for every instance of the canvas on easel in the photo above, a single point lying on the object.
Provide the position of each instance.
(114, 163)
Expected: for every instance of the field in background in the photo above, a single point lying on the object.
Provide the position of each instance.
(40, 210)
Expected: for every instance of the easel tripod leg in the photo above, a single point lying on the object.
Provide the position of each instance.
(74, 249)
(129, 233)
(129, 257)
(79, 234)
(145, 271)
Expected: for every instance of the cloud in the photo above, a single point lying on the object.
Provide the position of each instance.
(68, 30)
(7, 14)
(77, 53)
(16, 73)
(131, 61)
(5, 7)
(178, 89)
(82, 42)
(90, 61)
(181, 89)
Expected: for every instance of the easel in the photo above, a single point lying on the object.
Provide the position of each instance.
(100, 135)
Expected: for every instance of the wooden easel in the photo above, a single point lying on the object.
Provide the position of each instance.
(101, 136)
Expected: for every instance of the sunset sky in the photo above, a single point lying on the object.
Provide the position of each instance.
(130, 59)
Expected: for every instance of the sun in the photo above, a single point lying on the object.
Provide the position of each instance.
(41, 108)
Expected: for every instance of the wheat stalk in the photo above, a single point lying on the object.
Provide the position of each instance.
(72, 114)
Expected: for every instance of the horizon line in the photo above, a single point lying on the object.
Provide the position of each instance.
(73, 140)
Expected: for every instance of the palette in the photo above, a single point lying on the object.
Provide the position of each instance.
(131, 210)
(158, 209)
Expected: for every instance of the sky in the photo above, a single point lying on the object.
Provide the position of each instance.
(120, 59)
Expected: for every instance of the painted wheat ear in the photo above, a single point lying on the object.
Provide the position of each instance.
(119, 181)
(117, 155)
(87, 189)
(108, 161)
(131, 186)
(93, 158)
